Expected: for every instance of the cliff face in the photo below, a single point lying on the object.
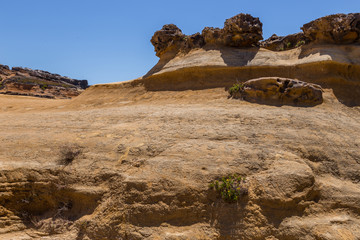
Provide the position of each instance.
(151, 158)
(38, 83)
(319, 55)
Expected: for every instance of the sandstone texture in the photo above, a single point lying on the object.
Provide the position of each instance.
(277, 43)
(38, 83)
(336, 29)
(279, 91)
(242, 30)
(135, 160)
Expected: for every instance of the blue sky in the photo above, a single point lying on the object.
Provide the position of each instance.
(109, 41)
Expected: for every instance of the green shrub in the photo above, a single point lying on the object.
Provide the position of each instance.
(288, 45)
(230, 188)
(300, 43)
(235, 88)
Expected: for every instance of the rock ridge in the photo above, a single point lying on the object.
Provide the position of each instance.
(245, 31)
(38, 83)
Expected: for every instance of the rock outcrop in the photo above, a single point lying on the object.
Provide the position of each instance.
(242, 30)
(282, 43)
(336, 29)
(38, 83)
(279, 91)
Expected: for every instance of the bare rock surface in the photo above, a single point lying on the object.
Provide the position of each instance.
(337, 28)
(279, 91)
(38, 83)
(282, 43)
(148, 157)
(143, 152)
(242, 30)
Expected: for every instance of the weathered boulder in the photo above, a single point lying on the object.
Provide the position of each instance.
(194, 41)
(281, 43)
(212, 35)
(337, 28)
(242, 30)
(169, 37)
(279, 91)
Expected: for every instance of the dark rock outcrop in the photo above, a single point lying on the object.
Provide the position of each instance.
(38, 83)
(337, 28)
(279, 91)
(169, 37)
(281, 43)
(242, 30)
(83, 84)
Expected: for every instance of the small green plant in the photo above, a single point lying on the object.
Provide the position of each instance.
(230, 188)
(288, 45)
(300, 43)
(44, 86)
(235, 88)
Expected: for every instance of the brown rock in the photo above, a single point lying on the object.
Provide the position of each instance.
(280, 91)
(212, 35)
(337, 28)
(279, 43)
(169, 37)
(242, 30)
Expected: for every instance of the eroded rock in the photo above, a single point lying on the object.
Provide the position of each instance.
(279, 91)
(169, 37)
(281, 43)
(337, 28)
(242, 30)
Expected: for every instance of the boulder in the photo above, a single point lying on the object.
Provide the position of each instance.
(337, 28)
(169, 37)
(279, 91)
(194, 41)
(281, 43)
(212, 35)
(242, 30)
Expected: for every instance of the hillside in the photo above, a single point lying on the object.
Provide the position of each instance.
(38, 83)
(140, 159)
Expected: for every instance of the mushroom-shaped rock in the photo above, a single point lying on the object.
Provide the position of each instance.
(169, 37)
(279, 91)
(337, 28)
(242, 30)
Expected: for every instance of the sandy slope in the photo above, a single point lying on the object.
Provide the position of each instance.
(148, 157)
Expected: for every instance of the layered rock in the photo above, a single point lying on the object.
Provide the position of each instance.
(242, 30)
(279, 91)
(337, 28)
(38, 83)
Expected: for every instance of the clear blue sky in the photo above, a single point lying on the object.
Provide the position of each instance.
(109, 40)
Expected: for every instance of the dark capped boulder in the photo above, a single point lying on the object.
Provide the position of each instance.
(242, 30)
(279, 91)
(281, 43)
(337, 28)
(169, 37)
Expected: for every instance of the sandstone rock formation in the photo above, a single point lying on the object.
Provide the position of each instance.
(277, 43)
(279, 91)
(242, 30)
(337, 28)
(150, 147)
(38, 83)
